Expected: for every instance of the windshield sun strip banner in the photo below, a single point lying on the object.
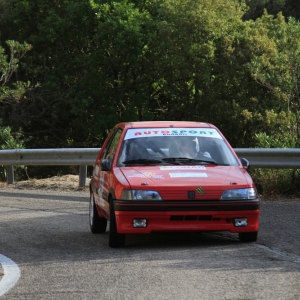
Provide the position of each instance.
(203, 132)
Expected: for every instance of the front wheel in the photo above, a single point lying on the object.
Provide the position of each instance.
(248, 236)
(97, 224)
(115, 239)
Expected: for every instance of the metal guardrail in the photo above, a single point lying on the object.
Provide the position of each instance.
(280, 158)
(81, 157)
(259, 158)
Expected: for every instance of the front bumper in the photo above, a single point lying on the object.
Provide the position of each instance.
(164, 216)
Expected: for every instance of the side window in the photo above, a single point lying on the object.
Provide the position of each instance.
(112, 144)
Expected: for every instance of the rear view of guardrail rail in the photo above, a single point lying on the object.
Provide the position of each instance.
(259, 158)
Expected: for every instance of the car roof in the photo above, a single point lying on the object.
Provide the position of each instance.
(171, 124)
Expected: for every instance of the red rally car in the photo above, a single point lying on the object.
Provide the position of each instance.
(171, 176)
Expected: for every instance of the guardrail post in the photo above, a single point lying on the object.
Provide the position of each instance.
(10, 174)
(82, 175)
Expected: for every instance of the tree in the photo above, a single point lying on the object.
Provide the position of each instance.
(12, 90)
(100, 62)
(201, 54)
(279, 71)
(88, 61)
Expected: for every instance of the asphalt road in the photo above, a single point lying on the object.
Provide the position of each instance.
(47, 235)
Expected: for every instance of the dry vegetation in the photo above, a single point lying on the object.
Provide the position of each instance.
(57, 183)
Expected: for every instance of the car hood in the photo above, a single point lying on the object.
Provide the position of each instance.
(175, 182)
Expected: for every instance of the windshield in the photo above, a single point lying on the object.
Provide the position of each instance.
(174, 146)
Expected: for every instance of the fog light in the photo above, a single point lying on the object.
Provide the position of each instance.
(138, 223)
(240, 222)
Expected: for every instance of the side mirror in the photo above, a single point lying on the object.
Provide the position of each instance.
(246, 164)
(106, 164)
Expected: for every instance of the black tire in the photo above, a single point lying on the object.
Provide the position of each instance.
(115, 239)
(97, 224)
(248, 237)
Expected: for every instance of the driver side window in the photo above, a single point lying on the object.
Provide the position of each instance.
(112, 144)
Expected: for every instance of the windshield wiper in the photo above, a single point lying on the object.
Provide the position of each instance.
(189, 160)
(142, 161)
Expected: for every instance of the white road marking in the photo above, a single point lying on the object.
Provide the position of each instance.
(280, 253)
(11, 275)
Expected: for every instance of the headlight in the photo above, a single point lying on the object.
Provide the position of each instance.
(140, 195)
(239, 194)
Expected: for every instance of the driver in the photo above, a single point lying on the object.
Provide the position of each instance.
(191, 149)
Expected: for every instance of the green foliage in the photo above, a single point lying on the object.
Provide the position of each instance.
(10, 141)
(276, 182)
(279, 135)
(104, 62)
(11, 92)
(278, 69)
(289, 8)
(89, 60)
(95, 63)
(7, 68)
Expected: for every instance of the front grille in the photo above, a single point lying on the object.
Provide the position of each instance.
(193, 218)
(179, 194)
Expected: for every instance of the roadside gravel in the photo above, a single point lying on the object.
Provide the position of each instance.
(66, 183)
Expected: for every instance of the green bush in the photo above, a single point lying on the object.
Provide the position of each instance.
(8, 140)
(275, 182)
(271, 182)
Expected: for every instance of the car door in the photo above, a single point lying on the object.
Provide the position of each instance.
(106, 174)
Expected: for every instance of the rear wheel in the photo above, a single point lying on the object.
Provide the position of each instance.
(97, 224)
(115, 239)
(248, 236)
